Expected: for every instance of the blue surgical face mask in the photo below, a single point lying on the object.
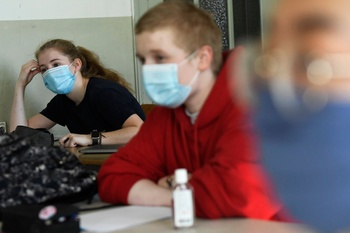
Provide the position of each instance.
(162, 84)
(307, 158)
(59, 79)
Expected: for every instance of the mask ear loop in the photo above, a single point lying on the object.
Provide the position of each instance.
(189, 57)
(195, 77)
(75, 71)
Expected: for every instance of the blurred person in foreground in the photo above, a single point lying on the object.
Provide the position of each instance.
(300, 94)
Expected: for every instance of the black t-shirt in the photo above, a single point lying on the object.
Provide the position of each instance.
(105, 107)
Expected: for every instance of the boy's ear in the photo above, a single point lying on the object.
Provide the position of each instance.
(205, 56)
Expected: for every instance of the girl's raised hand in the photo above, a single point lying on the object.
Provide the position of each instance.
(28, 71)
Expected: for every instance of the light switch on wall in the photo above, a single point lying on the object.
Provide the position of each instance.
(2, 127)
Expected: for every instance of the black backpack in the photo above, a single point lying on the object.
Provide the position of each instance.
(34, 174)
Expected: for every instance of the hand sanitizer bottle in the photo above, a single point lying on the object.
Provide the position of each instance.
(183, 202)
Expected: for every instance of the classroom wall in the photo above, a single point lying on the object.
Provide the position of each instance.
(104, 26)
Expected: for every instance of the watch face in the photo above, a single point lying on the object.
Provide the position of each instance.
(95, 134)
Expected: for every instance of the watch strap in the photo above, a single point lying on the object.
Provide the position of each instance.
(95, 137)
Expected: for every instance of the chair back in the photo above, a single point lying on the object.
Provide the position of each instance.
(147, 108)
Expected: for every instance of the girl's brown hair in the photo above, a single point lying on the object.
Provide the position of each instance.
(91, 64)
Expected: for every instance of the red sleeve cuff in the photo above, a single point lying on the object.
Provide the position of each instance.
(116, 190)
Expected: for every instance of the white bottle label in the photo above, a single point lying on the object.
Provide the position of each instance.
(183, 208)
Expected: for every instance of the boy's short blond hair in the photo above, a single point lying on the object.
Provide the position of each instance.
(193, 27)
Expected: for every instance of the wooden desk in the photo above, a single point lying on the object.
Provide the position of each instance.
(219, 226)
(222, 226)
(89, 159)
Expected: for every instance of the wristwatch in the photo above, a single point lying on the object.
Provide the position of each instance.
(170, 181)
(95, 137)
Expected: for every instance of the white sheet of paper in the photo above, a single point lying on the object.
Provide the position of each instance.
(117, 218)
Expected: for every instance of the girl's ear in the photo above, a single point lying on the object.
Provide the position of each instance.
(205, 56)
(77, 64)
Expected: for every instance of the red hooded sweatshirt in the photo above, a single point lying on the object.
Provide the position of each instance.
(218, 150)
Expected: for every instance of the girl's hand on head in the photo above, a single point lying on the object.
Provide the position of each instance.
(74, 140)
(28, 71)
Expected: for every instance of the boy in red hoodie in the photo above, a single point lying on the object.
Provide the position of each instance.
(197, 126)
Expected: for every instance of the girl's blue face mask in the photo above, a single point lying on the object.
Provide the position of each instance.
(162, 84)
(59, 79)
